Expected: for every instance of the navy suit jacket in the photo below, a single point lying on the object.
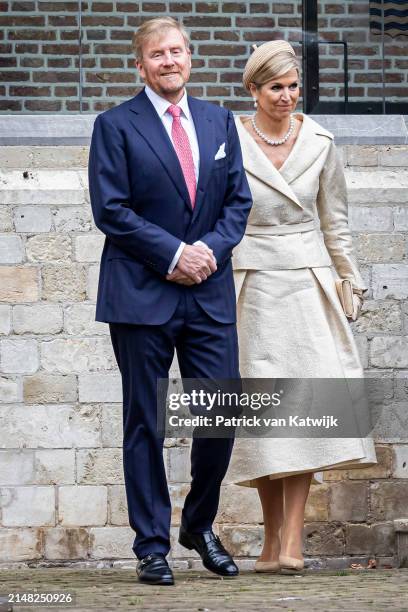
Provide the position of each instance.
(141, 203)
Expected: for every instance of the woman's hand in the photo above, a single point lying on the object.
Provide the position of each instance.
(357, 306)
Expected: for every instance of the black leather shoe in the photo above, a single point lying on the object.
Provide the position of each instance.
(214, 556)
(154, 569)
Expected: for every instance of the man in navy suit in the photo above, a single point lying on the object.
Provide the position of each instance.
(169, 191)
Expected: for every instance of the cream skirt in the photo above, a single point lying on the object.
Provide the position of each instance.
(290, 324)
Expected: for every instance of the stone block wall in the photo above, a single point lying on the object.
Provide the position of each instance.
(61, 485)
(54, 58)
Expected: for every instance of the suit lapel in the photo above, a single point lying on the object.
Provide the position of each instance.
(307, 148)
(149, 125)
(256, 162)
(206, 143)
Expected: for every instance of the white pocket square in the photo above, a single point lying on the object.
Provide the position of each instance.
(221, 152)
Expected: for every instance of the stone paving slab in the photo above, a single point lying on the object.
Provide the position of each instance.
(351, 591)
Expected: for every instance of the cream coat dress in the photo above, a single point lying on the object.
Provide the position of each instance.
(290, 322)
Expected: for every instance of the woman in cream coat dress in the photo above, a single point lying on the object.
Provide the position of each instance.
(290, 321)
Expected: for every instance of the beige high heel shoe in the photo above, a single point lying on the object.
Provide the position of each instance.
(267, 567)
(291, 565)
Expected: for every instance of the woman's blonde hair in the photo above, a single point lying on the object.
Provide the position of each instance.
(269, 62)
(153, 27)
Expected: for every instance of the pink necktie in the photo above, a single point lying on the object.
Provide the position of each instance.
(183, 150)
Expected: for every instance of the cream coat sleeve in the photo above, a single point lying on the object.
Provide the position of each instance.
(333, 214)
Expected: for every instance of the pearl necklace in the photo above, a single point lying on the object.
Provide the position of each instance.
(268, 140)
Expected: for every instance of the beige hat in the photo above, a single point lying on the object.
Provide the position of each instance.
(261, 56)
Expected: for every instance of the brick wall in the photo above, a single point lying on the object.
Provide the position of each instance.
(42, 70)
(349, 21)
(61, 484)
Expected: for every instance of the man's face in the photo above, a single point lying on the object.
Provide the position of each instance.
(166, 63)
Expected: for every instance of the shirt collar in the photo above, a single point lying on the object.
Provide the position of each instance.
(161, 104)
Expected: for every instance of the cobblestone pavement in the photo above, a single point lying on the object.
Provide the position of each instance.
(353, 591)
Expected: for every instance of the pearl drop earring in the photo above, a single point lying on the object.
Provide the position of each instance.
(255, 103)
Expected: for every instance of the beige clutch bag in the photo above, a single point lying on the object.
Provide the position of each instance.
(344, 288)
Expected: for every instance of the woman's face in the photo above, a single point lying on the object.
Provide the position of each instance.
(278, 98)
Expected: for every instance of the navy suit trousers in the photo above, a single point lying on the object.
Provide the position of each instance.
(205, 348)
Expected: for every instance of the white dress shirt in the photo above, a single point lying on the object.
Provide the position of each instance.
(161, 106)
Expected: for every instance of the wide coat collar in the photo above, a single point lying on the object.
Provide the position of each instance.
(307, 148)
(149, 125)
